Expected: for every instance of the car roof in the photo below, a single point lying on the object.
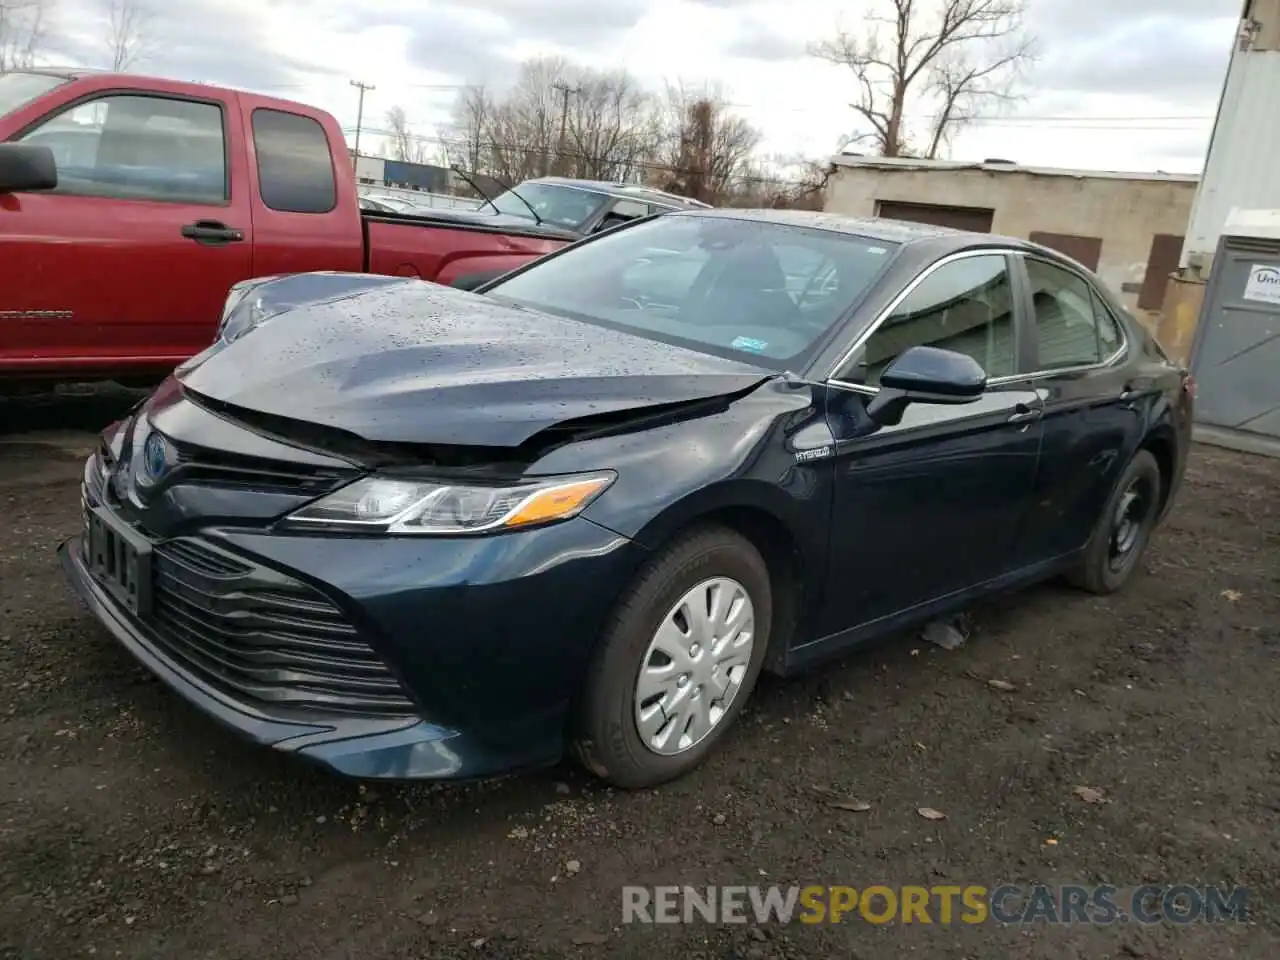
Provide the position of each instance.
(630, 191)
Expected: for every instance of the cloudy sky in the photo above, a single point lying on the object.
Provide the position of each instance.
(1119, 84)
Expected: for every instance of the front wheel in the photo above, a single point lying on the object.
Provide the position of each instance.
(1123, 531)
(677, 662)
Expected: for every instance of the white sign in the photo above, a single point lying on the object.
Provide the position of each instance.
(1264, 283)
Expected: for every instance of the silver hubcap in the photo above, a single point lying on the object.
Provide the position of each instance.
(694, 666)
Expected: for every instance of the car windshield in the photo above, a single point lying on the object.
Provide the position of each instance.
(761, 291)
(563, 206)
(19, 89)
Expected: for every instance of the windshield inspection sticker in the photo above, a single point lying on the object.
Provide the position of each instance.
(1263, 284)
(746, 343)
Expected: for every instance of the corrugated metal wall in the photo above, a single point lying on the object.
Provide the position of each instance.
(1242, 170)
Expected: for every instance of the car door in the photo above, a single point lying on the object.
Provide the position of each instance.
(1092, 404)
(131, 256)
(934, 504)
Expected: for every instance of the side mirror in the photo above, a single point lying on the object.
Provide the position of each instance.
(26, 166)
(926, 375)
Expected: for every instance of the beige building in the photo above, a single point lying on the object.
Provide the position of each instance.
(1127, 226)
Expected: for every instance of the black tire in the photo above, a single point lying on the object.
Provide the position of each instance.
(606, 739)
(1099, 571)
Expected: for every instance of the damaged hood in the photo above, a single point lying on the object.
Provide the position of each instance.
(421, 363)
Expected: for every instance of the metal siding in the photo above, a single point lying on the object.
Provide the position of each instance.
(1241, 170)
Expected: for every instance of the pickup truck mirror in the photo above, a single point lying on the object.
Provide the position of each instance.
(26, 166)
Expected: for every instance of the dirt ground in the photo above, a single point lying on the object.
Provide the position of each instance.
(131, 826)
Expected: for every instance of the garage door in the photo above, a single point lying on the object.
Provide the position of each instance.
(977, 219)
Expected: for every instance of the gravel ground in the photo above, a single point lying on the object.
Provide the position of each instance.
(131, 826)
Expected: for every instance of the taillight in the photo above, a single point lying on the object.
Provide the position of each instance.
(1189, 385)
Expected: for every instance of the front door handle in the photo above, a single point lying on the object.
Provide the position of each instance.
(212, 233)
(1024, 413)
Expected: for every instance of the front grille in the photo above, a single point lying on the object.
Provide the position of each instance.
(193, 464)
(263, 636)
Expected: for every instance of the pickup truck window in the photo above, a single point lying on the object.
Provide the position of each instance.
(295, 166)
(132, 147)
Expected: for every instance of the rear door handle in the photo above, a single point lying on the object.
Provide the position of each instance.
(212, 233)
(1023, 413)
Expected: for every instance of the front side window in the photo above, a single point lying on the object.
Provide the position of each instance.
(132, 147)
(965, 305)
(763, 292)
(1073, 329)
(561, 206)
(295, 167)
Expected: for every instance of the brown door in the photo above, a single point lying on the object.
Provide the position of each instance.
(1166, 251)
(977, 219)
(1087, 250)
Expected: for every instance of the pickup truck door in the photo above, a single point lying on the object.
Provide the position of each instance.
(126, 264)
(302, 185)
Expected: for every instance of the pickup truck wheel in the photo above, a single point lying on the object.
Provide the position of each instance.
(677, 661)
(1124, 529)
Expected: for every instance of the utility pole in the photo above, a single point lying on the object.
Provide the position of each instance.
(363, 88)
(565, 90)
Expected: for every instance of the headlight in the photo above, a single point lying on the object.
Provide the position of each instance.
(410, 506)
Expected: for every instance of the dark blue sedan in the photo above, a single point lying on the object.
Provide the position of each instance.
(408, 531)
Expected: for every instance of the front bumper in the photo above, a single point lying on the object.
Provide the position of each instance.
(487, 638)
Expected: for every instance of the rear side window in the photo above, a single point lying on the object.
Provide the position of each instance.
(1070, 329)
(295, 167)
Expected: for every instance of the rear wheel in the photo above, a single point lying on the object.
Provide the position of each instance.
(1124, 529)
(677, 662)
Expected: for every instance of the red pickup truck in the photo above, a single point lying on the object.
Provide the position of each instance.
(129, 206)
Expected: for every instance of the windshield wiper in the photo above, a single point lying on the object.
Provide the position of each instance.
(489, 200)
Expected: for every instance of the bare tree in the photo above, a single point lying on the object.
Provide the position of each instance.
(950, 58)
(779, 183)
(403, 144)
(131, 23)
(610, 124)
(614, 127)
(706, 146)
(22, 31)
(472, 117)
